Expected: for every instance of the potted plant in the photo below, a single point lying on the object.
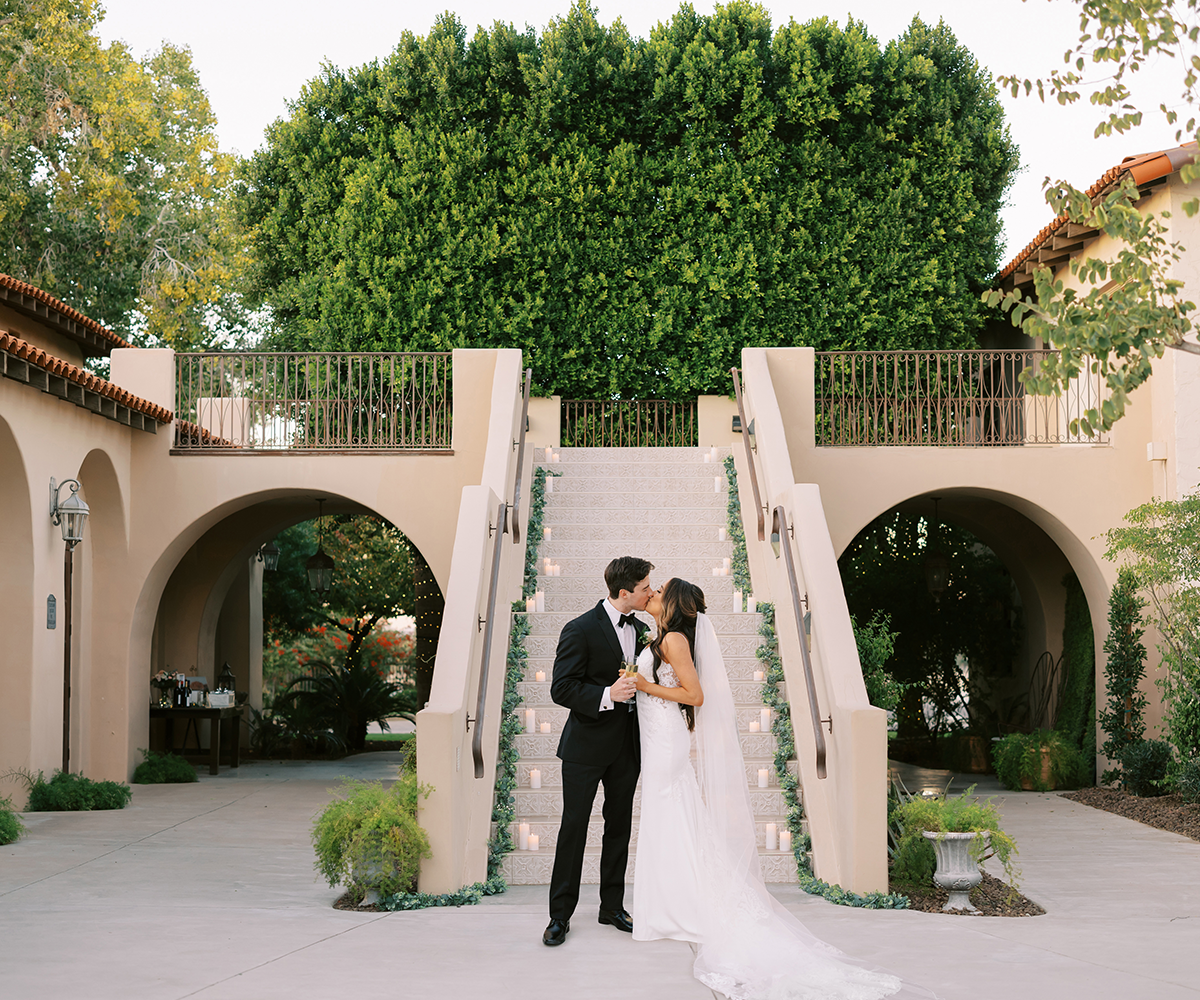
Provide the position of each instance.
(1038, 761)
(368, 838)
(945, 839)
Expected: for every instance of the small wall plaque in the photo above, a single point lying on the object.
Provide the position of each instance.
(51, 612)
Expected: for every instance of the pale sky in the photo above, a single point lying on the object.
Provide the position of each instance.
(254, 55)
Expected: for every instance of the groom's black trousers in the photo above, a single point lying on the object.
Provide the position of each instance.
(579, 782)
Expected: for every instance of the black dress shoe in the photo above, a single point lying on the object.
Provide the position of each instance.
(621, 920)
(556, 932)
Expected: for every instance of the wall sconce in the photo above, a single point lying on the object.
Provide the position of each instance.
(268, 555)
(319, 565)
(71, 515)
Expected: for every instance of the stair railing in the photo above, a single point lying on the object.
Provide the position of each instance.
(489, 630)
(520, 443)
(747, 435)
(781, 536)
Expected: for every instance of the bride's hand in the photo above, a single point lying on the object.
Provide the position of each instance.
(643, 682)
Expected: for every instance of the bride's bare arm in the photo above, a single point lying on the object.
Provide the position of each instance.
(676, 652)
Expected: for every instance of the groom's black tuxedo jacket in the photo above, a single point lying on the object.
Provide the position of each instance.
(587, 661)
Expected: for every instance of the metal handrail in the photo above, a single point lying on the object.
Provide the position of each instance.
(758, 504)
(516, 504)
(489, 624)
(779, 529)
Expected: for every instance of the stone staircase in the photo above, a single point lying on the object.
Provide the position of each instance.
(661, 504)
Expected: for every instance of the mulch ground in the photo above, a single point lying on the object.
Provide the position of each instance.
(990, 897)
(1167, 812)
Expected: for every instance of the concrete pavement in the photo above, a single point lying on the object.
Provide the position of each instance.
(208, 891)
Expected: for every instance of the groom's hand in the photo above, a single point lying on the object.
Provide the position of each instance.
(623, 689)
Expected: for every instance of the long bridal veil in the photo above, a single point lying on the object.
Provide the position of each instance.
(752, 947)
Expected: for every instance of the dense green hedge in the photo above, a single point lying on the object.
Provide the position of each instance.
(1077, 706)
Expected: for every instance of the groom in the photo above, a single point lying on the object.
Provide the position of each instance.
(599, 742)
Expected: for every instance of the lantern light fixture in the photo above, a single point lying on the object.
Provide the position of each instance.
(268, 555)
(320, 565)
(71, 514)
(937, 566)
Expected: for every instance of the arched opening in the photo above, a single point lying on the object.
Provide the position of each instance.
(212, 612)
(17, 613)
(985, 656)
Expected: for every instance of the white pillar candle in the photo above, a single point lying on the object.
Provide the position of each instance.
(716, 484)
(785, 841)
(546, 533)
(555, 456)
(760, 676)
(533, 841)
(546, 566)
(530, 605)
(557, 570)
(549, 484)
(727, 563)
(754, 726)
(540, 676)
(535, 779)
(530, 720)
(545, 729)
(707, 458)
(772, 838)
(725, 569)
(713, 452)
(721, 534)
(751, 604)
(737, 601)
(522, 836)
(763, 775)
(765, 720)
(549, 453)
(539, 600)
(716, 571)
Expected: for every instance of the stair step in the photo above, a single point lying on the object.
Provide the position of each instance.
(738, 650)
(536, 695)
(534, 867)
(547, 831)
(551, 769)
(678, 470)
(546, 802)
(635, 456)
(755, 746)
(550, 623)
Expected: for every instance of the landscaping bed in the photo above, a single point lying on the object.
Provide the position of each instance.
(990, 897)
(1167, 812)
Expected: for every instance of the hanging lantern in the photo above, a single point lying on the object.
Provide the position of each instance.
(319, 565)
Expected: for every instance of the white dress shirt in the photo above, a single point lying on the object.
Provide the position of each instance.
(627, 637)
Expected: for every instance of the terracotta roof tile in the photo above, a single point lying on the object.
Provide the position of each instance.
(103, 333)
(64, 369)
(1143, 168)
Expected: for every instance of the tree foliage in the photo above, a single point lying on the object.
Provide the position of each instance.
(1077, 698)
(1130, 309)
(631, 212)
(115, 196)
(1121, 718)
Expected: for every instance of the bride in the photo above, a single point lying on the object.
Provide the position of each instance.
(697, 875)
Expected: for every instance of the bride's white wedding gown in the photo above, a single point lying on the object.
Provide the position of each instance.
(697, 876)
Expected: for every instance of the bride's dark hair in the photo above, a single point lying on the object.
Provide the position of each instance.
(681, 602)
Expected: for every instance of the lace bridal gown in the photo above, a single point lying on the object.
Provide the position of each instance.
(697, 875)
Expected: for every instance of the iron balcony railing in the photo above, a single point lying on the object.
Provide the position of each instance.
(335, 402)
(963, 398)
(628, 423)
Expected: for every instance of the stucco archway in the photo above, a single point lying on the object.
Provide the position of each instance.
(17, 612)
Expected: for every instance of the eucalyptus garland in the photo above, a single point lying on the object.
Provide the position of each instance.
(468, 895)
(768, 655)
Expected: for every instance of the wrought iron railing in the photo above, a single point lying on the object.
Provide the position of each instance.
(963, 398)
(256, 402)
(628, 423)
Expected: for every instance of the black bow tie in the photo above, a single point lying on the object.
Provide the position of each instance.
(626, 620)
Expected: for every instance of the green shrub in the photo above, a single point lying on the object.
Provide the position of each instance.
(1188, 782)
(10, 826)
(162, 768)
(73, 792)
(1145, 765)
(1018, 758)
(369, 838)
(1122, 716)
(914, 860)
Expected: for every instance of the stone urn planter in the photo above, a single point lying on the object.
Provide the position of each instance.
(957, 872)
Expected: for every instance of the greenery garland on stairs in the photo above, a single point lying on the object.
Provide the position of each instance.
(504, 803)
(781, 726)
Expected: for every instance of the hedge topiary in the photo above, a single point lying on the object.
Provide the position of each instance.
(1146, 764)
(66, 792)
(163, 768)
(10, 825)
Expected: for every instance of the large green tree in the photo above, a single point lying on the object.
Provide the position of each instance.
(114, 195)
(631, 212)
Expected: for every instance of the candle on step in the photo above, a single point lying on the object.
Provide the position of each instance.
(713, 452)
(785, 841)
(530, 605)
(760, 676)
(549, 454)
(737, 601)
(716, 571)
(716, 484)
(523, 836)
(549, 484)
(765, 720)
(720, 534)
(751, 604)
(763, 775)
(555, 456)
(530, 720)
(725, 569)
(546, 564)
(533, 841)
(535, 777)
(727, 563)
(539, 599)
(540, 676)
(772, 838)
(754, 726)
(556, 570)
(707, 458)
(545, 729)
(546, 533)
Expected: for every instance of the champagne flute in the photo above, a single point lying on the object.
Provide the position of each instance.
(629, 670)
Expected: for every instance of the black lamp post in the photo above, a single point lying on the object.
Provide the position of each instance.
(71, 516)
(319, 565)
